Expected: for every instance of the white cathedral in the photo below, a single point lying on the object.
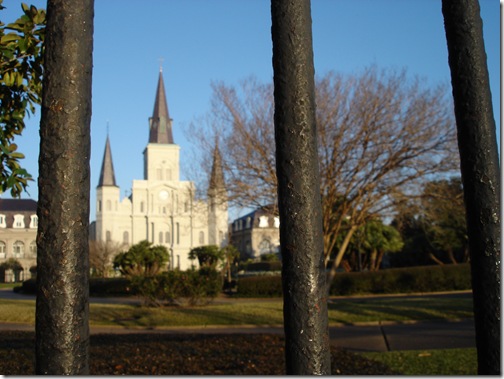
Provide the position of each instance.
(161, 208)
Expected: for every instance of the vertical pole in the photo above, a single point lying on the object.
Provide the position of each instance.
(480, 171)
(62, 309)
(303, 274)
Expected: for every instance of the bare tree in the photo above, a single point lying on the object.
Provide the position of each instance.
(380, 136)
(101, 256)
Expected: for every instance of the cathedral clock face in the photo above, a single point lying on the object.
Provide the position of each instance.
(163, 195)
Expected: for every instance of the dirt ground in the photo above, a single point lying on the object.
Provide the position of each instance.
(164, 354)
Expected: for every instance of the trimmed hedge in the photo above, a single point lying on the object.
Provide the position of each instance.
(403, 280)
(398, 280)
(260, 286)
(110, 287)
(97, 287)
(264, 266)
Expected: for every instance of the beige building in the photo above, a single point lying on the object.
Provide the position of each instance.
(161, 208)
(18, 232)
(256, 233)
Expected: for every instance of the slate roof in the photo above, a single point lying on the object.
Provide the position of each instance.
(18, 205)
(107, 176)
(160, 122)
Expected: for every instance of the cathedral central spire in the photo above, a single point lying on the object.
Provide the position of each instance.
(160, 124)
(107, 177)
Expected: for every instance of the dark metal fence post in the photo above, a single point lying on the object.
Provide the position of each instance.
(62, 310)
(303, 275)
(480, 171)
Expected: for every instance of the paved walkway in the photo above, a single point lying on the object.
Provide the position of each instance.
(424, 335)
(379, 337)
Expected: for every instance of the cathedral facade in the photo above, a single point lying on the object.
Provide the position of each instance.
(162, 209)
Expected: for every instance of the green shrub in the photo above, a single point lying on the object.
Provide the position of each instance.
(175, 287)
(403, 280)
(110, 287)
(28, 287)
(260, 286)
(264, 266)
(399, 280)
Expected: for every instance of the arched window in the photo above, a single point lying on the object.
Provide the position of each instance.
(18, 249)
(3, 249)
(202, 237)
(265, 246)
(142, 205)
(109, 205)
(108, 236)
(167, 237)
(178, 233)
(126, 237)
(33, 248)
(160, 237)
(99, 205)
(3, 224)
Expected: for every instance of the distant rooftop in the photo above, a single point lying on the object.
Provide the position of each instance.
(21, 205)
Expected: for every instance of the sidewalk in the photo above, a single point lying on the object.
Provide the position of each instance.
(423, 335)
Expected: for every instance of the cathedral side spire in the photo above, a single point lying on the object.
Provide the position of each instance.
(217, 183)
(107, 176)
(160, 123)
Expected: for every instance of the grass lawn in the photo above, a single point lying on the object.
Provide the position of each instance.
(8, 285)
(429, 362)
(269, 312)
(256, 312)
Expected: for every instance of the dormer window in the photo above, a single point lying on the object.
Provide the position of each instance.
(277, 222)
(33, 221)
(247, 224)
(19, 221)
(263, 222)
(3, 224)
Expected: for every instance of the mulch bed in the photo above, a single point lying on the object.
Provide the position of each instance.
(171, 354)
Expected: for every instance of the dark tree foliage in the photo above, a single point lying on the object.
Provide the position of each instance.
(434, 228)
(207, 256)
(21, 67)
(142, 259)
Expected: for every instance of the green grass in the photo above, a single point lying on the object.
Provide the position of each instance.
(399, 309)
(429, 362)
(256, 312)
(22, 311)
(9, 285)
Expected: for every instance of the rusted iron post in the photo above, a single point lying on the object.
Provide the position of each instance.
(479, 163)
(303, 279)
(62, 310)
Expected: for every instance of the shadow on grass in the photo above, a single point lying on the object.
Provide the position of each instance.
(399, 309)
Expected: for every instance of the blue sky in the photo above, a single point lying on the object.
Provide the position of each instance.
(202, 41)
